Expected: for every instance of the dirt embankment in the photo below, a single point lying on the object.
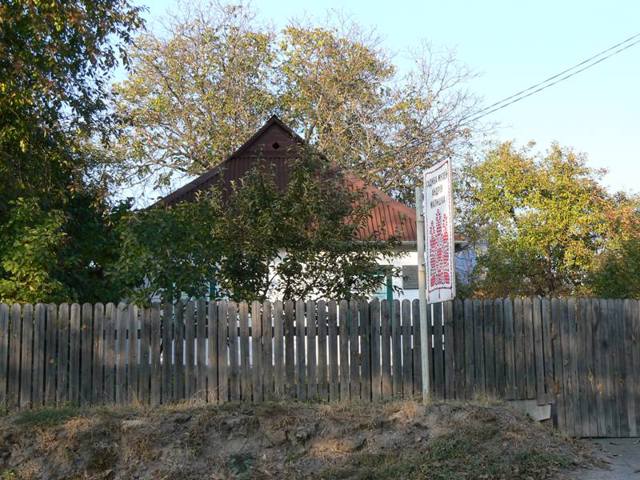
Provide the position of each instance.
(284, 441)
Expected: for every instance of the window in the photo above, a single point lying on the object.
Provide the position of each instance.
(410, 277)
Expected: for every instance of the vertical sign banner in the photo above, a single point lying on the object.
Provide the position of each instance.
(439, 235)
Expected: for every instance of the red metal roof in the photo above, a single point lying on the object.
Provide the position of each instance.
(274, 142)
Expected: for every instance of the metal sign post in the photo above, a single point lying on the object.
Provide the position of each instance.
(436, 248)
(422, 295)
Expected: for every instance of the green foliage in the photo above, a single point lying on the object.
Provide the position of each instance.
(257, 240)
(545, 221)
(55, 64)
(199, 89)
(169, 251)
(33, 238)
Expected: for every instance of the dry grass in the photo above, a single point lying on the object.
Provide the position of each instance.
(394, 440)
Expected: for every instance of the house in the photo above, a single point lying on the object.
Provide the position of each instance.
(276, 143)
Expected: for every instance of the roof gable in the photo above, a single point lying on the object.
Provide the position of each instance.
(274, 142)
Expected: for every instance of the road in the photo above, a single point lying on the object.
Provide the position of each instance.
(623, 456)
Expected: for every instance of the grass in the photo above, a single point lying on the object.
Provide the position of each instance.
(46, 417)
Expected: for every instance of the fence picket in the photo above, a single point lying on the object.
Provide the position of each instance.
(245, 373)
(201, 351)
(234, 368)
(212, 352)
(334, 389)
(223, 356)
(167, 353)
(354, 352)
(155, 374)
(267, 350)
(407, 356)
(26, 356)
(385, 343)
(489, 346)
(133, 363)
(343, 332)
(257, 366)
(110, 312)
(365, 352)
(376, 377)
(396, 357)
(289, 360)
(469, 353)
(323, 383)
(39, 335)
(278, 351)
(312, 382)
(4, 354)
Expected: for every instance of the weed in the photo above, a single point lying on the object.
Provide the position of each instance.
(46, 417)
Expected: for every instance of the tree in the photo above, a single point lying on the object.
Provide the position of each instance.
(55, 63)
(199, 90)
(542, 218)
(260, 241)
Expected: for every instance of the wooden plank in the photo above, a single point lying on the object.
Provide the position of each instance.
(74, 353)
(344, 350)
(509, 350)
(201, 351)
(519, 349)
(189, 351)
(39, 333)
(97, 392)
(417, 350)
(407, 357)
(567, 329)
(469, 353)
(354, 351)
(459, 348)
(385, 348)
(498, 312)
(530, 364)
(449, 364)
(621, 392)
(478, 337)
(86, 343)
(630, 380)
(223, 355)
(581, 391)
(600, 371)
(257, 364)
(538, 351)
(62, 390)
(489, 347)
(245, 368)
(167, 353)
(133, 363)
(301, 369)
(376, 371)
(312, 381)
(334, 389)
(234, 367)
(589, 356)
(110, 356)
(614, 347)
(4, 354)
(144, 373)
(26, 356)
(51, 357)
(15, 340)
(365, 352)
(547, 350)
(155, 377)
(212, 352)
(396, 346)
(278, 351)
(612, 428)
(289, 354)
(267, 351)
(178, 348)
(557, 320)
(323, 371)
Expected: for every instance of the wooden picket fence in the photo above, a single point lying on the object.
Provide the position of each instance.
(581, 355)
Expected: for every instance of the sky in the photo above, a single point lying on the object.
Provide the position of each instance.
(511, 45)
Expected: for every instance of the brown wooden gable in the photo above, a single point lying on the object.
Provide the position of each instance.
(275, 143)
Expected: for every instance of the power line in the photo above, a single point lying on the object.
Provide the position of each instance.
(555, 79)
